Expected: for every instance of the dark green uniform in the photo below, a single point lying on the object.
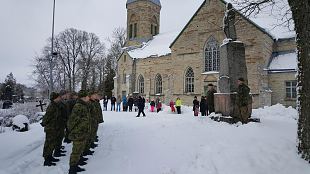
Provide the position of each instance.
(243, 99)
(61, 124)
(79, 130)
(96, 111)
(210, 100)
(50, 124)
(69, 106)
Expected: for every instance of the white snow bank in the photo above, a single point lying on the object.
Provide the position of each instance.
(20, 121)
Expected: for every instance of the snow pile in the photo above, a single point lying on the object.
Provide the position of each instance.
(158, 46)
(166, 143)
(286, 61)
(277, 111)
(20, 122)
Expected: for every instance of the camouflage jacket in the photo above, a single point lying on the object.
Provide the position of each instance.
(96, 112)
(63, 114)
(51, 117)
(79, 121)
(243, 97)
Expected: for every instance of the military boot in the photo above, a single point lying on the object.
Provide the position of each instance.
(93, 145)
(53, 159)
(75, 169)
(88, 152)
(58, 153)
(48, 162)
(83, 158)
(82, 163)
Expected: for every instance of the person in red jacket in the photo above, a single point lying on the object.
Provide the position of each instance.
(172, 106)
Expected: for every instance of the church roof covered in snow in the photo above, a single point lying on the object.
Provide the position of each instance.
(283, 62)
(158, 46)
(154, 1)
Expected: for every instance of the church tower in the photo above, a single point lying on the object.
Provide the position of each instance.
(143, 20)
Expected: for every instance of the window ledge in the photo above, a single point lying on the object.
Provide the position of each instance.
(290, 99)
(210, 72)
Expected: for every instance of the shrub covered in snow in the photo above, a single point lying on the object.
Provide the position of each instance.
(28, 109)
(20, 123)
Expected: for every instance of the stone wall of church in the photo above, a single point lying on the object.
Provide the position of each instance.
(285, 45)
(278, 88)
(189, 47)
(124, 68)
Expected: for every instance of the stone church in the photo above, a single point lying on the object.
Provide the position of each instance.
(182, 64)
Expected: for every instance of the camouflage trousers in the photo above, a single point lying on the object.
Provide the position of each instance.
(50, 144)
(92, 137)
(59, 138)
(77, 150)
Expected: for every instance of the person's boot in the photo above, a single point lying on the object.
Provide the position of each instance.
(62, 147)
(67, 140)
(82, 158)
(75, 169)
(48, 162)
(82, 163)
(53, 159)
(88, 152)
(58, 153)
(93, 145)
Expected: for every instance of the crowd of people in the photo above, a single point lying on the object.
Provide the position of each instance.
(75, 117)
(71, 118)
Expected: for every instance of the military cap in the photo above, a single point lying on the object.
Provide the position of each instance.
(53, 95)
(63, 92)
(82, 93)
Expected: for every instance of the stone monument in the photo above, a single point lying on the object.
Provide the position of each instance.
(232, 67)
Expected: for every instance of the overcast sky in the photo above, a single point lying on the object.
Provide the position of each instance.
(26, 25)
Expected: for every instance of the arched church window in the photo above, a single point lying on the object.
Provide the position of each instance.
(141, 84)
(158, 84)
(189, 80)
(212, 55)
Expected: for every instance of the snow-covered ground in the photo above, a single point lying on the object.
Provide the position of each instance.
(167, 143)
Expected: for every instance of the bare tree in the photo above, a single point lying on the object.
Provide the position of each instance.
(297, 11)
(91, 48)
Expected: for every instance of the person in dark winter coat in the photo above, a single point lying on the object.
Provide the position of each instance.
(203, 106)
(141, 105)
(113, 100)
(210, 98)
(195, 106)
(49, 122)
(243, 100)
(159, 106)
(105, 103)
(130, 103)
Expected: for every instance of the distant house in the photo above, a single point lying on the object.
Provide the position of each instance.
(183, 63)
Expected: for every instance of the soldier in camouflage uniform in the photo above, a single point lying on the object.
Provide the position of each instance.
(243, 99)
(70, 104)
(79, 130)
(62, 121)
(96, 112)
(50, 125)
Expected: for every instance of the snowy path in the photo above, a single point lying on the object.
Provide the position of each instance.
(170, 144)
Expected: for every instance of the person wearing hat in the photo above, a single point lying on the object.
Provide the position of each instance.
(49, 122)
(79, 131)
(62, 121)
(210, 99)
(243, 99)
